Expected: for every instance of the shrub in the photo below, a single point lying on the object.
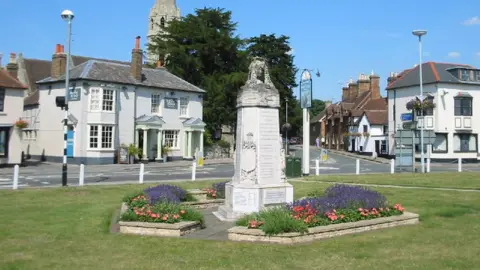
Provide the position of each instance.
(166, 193)
(273, 221)
(223, 144)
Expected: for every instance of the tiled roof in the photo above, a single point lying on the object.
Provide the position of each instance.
(376, 104)
(318, 117)
(7, 81)
(120, 73)
(361, 100)
(377, 117)
(432, 72)
(40, 69)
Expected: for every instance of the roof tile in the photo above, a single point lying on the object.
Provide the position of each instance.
(7, 81)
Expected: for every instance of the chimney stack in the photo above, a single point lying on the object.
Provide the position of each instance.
(59, 62)
(345, 93)
(12, 66)
(363, 84)
(375, 86)
(1, 55)
(137, 61)
(352, 89)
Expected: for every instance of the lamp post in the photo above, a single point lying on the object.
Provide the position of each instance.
(419, 34)
(286, 125)
(67, 16)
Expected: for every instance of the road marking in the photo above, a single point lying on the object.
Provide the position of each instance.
(325, 168)
(45, 183)
(5, 179)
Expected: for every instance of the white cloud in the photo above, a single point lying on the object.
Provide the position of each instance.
(472, 21)
(291, 52)
(453, 54)
(477, 54)
(426, 54)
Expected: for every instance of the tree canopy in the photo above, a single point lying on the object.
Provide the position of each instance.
(203, 49)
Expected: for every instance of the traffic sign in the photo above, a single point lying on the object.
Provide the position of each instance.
(406, 117)
(324, 155)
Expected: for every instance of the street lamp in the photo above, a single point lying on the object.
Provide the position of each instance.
(419, 34)
(67, 16)
(286, 125)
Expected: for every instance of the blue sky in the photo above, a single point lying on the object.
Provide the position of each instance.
(339, 38)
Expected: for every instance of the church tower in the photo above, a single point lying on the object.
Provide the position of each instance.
(161, 13)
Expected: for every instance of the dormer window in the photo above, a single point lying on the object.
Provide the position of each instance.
(464, 75)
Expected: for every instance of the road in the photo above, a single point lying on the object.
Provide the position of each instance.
(47, 175)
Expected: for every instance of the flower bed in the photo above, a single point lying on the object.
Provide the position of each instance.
(217, 191)
(341, 210)
(166, 210)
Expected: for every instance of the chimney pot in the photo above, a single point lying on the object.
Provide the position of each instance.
(137, 43)
(13, 58)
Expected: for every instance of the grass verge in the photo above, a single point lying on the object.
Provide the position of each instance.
(65, 228)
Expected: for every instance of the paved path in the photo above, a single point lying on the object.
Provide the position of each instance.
(214, 228)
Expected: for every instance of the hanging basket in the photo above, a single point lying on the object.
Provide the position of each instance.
(21, 124)
(416, 104)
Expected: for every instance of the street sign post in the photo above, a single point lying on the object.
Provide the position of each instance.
(406, 140)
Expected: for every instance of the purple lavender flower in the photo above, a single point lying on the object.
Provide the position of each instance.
(344, 197)
(165, 193)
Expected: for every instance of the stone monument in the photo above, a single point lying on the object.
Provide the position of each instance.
(259, 179)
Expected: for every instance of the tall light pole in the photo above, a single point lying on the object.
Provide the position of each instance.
(286, 125)
(67, 16)
(419, 34)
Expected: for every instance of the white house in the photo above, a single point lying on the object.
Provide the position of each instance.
(452, 88)
(113, 104)
(11, 109)
(370, 133)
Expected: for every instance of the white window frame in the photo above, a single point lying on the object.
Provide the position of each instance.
(97, 95)
(183, 106)
(175, 137)
(99, 137)
(158, 98)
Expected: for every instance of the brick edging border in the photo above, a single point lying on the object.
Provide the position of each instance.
(322, 232)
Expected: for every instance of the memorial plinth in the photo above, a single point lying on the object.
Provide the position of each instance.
(259, 179)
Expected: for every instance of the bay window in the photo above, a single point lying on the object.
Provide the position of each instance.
(102, 100)
(440, 145)
(464, 142)
(100, 136)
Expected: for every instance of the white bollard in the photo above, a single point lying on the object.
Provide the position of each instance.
(15, 176)
(142, 171)
(357, 171)
(194, 170)
(428, 165)
(460, 165)
(392, 165)
(81, 175)
(317, 167)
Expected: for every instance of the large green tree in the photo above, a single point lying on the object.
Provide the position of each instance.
(276, 51)
(203, 49)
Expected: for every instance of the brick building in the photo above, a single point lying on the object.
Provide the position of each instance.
(336, 118)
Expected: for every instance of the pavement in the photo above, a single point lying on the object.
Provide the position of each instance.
(49, 174)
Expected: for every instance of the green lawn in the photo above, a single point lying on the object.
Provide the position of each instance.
(464, 180)
(67, 228)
